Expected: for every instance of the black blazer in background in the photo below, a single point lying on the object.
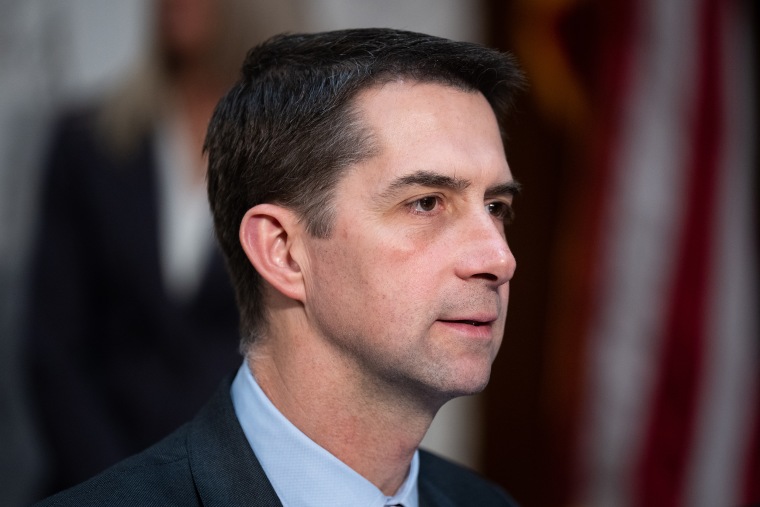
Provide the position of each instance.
(208, 462)
(115, 363)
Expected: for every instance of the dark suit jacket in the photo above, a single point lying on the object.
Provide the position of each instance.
(115, 363)
(208, 462)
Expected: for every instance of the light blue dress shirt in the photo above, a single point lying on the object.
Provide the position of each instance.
(302, 473)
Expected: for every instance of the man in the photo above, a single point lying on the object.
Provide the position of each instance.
(360, 191)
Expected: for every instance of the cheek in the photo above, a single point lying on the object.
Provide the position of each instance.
(414, 249)
(386, 273)
(406, 271)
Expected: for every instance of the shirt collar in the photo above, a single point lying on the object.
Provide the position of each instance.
(302, 472)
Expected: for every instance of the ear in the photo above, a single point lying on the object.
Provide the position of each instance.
(267, 235)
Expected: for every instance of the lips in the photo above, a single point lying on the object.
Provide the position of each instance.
(478, 328)
(475, 323)
(474, 318)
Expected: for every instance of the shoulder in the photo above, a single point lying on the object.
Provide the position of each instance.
(86, 134)
(441, 480)
(160, 475)
(206, 462)
(78, 125)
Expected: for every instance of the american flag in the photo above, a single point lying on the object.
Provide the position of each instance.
(667, 352)
(672, 350)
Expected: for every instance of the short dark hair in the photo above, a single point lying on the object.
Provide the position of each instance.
(287, 130)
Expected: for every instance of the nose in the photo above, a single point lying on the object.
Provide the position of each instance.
(485, 253)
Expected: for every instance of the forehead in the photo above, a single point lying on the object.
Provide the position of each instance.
(418, 126)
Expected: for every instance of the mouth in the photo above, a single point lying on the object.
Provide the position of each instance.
(475, 323)
(479, 329)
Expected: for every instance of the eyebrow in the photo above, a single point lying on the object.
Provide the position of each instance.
(426, 179)
(509, 189)
(431, 179)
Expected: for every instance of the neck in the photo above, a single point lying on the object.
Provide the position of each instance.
(374, 433)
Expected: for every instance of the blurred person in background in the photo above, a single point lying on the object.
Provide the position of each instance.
(131, 321)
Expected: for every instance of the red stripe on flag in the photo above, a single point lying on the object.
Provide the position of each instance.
(583, 233)
(662, 469)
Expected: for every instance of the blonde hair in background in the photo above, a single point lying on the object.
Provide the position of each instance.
(133, 106)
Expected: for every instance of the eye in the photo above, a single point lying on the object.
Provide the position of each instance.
(425, 204)
(500, 210)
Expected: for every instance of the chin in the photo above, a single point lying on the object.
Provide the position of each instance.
(469, 383)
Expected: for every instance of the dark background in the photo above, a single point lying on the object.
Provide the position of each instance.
(533, 398)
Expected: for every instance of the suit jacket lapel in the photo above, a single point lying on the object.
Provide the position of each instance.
(430, 495)
(224, 468)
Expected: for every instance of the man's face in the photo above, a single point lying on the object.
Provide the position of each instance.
(410, 290)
